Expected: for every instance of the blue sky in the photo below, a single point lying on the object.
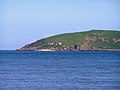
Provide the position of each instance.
(25, 21)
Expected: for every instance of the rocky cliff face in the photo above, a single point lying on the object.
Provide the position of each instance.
(90, 41)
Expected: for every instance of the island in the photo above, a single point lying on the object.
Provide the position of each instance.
(78, 41)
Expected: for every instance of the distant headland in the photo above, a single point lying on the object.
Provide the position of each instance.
(88, 40)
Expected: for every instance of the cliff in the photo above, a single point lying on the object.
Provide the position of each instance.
(88, 40)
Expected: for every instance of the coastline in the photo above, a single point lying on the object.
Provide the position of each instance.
(45, 50)
(51, 50)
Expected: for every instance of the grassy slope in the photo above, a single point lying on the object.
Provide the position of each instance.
(109, 34)
(77, 38)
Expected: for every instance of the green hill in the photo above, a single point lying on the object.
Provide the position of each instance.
(88, 40)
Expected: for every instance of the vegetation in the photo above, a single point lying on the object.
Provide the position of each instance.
(88, 40)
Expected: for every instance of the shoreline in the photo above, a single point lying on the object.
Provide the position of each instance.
(50, 50)
(45, 50)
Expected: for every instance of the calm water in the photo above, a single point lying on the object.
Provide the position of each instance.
(86, 70)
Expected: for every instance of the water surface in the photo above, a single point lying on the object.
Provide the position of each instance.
(85, 70)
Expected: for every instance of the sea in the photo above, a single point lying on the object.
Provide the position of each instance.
(59, 70)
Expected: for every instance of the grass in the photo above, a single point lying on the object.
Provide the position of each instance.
(77, 38)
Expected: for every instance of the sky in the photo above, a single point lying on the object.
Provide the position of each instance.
(25, 21)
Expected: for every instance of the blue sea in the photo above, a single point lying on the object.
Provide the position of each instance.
(78, 70)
